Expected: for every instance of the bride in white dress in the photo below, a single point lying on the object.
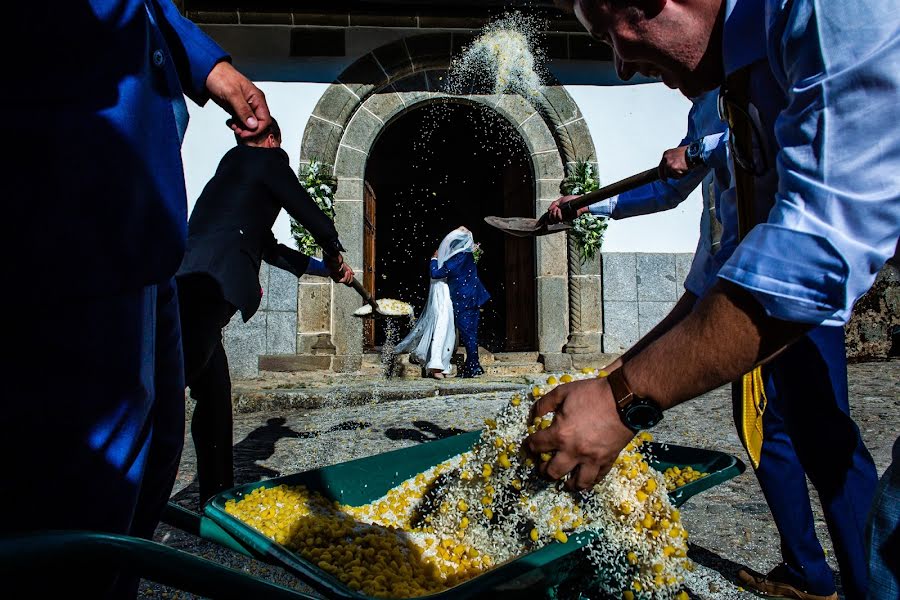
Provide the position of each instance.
(433, 338)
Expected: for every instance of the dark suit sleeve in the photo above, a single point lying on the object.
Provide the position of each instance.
(296, 201)
(439, 272)
(195, 53)
(287, 259)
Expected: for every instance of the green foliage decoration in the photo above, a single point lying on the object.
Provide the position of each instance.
(587, 229)
(321, 187)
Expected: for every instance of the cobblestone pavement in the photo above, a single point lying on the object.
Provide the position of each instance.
(729, 524)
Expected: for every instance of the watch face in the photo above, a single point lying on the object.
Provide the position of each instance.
(642, 415)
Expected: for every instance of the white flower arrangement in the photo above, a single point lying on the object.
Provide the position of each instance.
(320, 187)
(587, 229)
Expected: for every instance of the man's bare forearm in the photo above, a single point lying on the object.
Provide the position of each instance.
(724, 337)
(681, 309)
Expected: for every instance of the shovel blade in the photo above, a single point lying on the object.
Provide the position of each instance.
(524, 226)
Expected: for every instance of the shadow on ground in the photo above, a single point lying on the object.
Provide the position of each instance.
(257, 447)
(425, 431)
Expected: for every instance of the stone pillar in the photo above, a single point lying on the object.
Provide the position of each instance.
(585, 307)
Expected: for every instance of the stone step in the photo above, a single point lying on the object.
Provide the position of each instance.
(516, 357)
(513, 368)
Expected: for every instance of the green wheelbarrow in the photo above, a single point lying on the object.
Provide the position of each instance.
(554, 571)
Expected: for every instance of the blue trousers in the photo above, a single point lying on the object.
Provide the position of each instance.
(93, 426)
(808, 432)
(467, 323)
(883, 533)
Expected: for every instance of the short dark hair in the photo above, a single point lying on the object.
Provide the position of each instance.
(272, 128)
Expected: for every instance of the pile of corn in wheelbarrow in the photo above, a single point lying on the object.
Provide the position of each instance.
(462, 517)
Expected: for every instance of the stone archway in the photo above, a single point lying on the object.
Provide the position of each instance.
(341, 131)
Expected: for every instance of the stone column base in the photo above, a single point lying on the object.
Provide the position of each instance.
(555, 362)
(583, 342)
(346, 363)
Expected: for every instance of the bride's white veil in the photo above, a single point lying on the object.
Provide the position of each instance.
(458, 240)
(433, 338)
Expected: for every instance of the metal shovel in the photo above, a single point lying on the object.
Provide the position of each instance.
(527, 227)
(376, 312)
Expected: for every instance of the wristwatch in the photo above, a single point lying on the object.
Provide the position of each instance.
(693, 155)
(637, 413)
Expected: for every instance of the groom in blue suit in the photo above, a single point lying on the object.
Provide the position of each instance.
(468, 294)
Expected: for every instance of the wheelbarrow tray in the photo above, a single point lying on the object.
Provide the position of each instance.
(364, 480)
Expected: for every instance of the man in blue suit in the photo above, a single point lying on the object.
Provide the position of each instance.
(468, 294)
(97, 214)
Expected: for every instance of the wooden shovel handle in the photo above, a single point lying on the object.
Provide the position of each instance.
(364, 293)
(570, 209)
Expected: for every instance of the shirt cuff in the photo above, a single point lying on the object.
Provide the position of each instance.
(317, 267)
(711, 147)
(604, 208)
(795, 275)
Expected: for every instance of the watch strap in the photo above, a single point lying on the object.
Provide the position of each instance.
(621, 391)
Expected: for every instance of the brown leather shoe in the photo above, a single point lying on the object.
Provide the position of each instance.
(767, 585)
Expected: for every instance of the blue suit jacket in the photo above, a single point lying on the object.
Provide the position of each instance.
(96, 197)
(466, 290)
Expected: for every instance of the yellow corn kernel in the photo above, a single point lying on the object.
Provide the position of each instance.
(658, 568)
(587, 371)
(565, 378)
(529, 462)
(489, 489)
(491, 423)
(627, 595)
(676, 515)
(650, 486)
(632, 558)
(464, 522)
(461, 505)
(545, 423)
(534, 535)
(648, 521)
(682, 595)
(552, 380)
(486, 500)
(561, 536)
(488, 513)
(602, 373)
(517, 484)
(546, 456)
(668, 551)
(504, 461)
(498, 442)
(625, 508)
(640, 495)
(516, 400)
(636, 585)
(486, 471)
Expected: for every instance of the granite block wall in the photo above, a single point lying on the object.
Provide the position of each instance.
(272, 330)
(639, 289)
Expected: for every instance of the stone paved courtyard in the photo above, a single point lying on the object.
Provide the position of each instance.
(729, 524)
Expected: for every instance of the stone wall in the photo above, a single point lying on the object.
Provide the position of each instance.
(272, 330)
(874, 328)
(639, 289)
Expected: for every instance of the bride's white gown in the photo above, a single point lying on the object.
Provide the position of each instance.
(433, 338)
